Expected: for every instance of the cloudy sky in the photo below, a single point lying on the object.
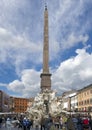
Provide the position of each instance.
(21, 45)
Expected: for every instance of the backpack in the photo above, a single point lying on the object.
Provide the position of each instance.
(85, 121)
(24, 123)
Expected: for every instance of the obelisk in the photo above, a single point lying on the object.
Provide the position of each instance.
(45, 75)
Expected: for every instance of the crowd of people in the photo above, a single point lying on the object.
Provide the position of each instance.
(79, 122)
(72, 122)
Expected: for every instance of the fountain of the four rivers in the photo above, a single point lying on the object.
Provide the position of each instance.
(45, 102)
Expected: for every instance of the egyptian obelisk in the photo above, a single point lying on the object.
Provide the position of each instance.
(45, 75)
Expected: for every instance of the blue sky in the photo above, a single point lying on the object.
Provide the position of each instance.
(21, 44)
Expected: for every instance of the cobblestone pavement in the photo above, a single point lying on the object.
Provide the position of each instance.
(14, 128)
(4, 128)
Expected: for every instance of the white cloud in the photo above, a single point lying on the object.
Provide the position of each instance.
(29, 77)
(68, 24)
(73, 73)
(18, 50)
(74, 39)
(65, 25)
(28, 86)
(17, 86)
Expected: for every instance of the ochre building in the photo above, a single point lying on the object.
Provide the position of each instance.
(85, 99)
(20, 105)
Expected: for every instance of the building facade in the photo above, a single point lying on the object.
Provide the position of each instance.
(85, 99)
(20, 104)
(74, 102)
(69, 100)
(4, 102)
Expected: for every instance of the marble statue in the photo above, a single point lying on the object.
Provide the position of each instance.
(45, 103)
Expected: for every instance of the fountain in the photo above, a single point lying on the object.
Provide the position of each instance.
(45, 103)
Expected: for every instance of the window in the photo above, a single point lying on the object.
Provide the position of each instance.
(91, 91)
(87, 101)
(79, 103)
(87, 92)
(90, 100)
(82, 102)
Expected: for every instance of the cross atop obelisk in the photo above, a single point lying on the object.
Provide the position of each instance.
(46, 76)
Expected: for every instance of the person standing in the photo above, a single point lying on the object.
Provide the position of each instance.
(85, 123)
(90, 123)
(36, 123)
(42, 123)
(70, 123)
(61, 122)
(24, 123)
(0, 122)
(75, 120)
(8, 124)
(28, 124)
(79, 123)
